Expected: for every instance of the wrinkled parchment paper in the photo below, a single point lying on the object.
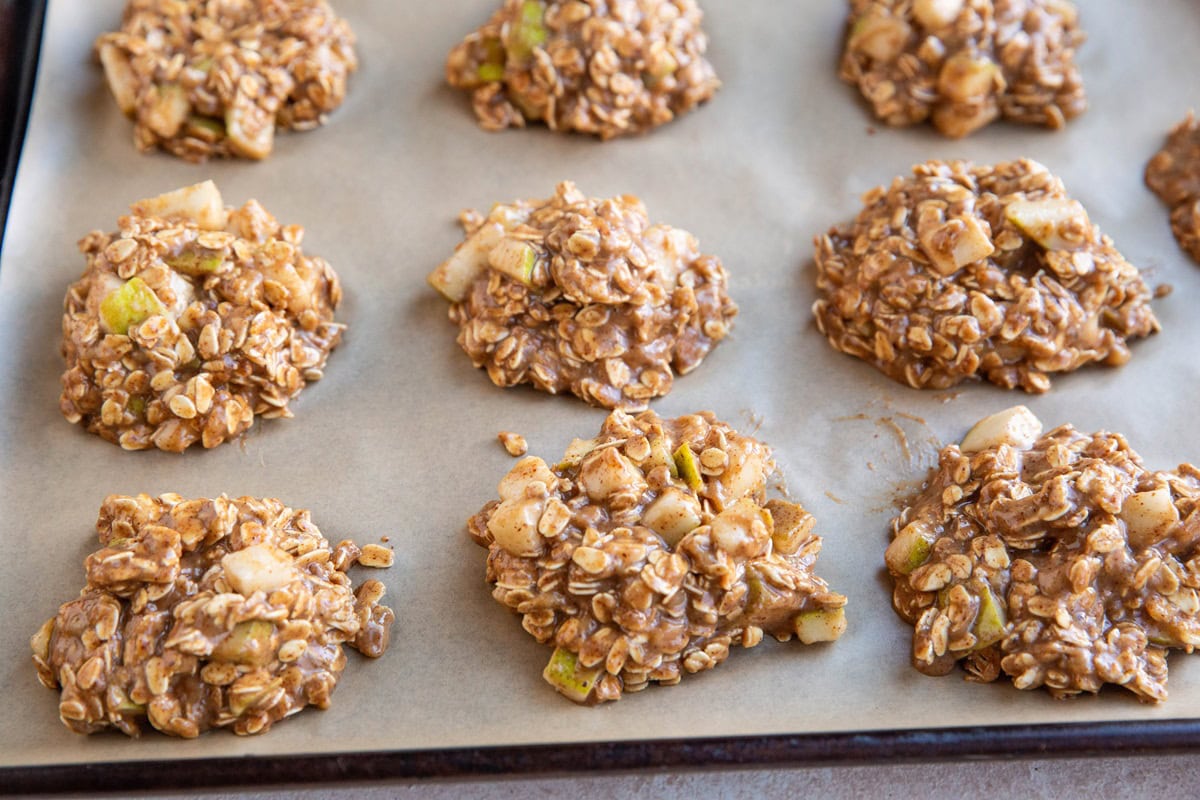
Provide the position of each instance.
(399, 439)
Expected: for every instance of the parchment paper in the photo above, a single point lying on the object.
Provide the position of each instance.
(399, 439)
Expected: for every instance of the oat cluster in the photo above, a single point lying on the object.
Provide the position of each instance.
(584, 295)
(203, 79)
(1174, 175)
(1060, 561)
(649, 552)
(963, 272)
(964, 63)
(207, 613)
(188, 323)
(591, 66)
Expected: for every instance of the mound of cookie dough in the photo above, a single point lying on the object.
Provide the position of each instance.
(648, 552)
(584, 295)
(201, 614)
(964, 63)
(191, 319)
(594, 67)
(1058, 560)
(964, 272)
(1174, 175)
(203, 79)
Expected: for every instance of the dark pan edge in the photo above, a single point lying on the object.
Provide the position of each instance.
(895, 746)
(20, 44)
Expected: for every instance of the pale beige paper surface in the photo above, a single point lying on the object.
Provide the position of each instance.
(399, 439)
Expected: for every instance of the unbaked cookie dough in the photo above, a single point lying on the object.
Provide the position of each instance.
(203, 79)
(1057, 560)
(649, 551)
(964, 63)
(583, 295)
(593, 67)
(207, 613)
(965, 272)
(191, 320)
(1174, 175)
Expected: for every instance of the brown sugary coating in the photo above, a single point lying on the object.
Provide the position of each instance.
(590, 66)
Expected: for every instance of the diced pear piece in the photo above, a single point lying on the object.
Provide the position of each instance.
(514, 258)
(956, 243)
(490, 73)
(250, 642)
(529, 31)
(881, 38)
(990, 624)
(453, 278)
(966, 77)
(258, 568)
(744, 474)
(910, 549)
(249, 135)
(124, 705)
(129, 306)
(513, 524)
(823, 625)
(1016, 426)
(936, 14)
(688, 469)
(660, 456)
(200, 203)
(569, 677)
(672, 515)
(120, 76)
(206, 128)
(792, 525)
(576, 450)
(1149, 517)
(605, 472)
(529, 469)
(1055, 223)
(169, 110)
(740, 529)
(196, 262)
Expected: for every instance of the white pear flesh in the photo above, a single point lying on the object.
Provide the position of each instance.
(1016, 426)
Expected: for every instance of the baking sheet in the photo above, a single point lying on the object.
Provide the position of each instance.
(399, 439)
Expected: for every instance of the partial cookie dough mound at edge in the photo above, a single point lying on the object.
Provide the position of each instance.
(590, 67)
(1173, 173)
(201, 614)
(964, 63)
(584, 295)
(650, 551)
(1058, 560)
(191, 320)
(964, 272)
(204, 79)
